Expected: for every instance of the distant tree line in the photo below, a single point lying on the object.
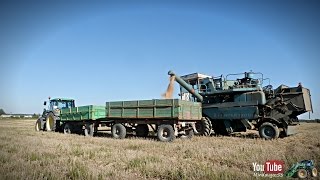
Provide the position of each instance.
(34, 115)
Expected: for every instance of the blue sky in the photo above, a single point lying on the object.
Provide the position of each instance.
(98, 51)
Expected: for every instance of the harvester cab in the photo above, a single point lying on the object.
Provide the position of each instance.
(205, 84)
(50, 119)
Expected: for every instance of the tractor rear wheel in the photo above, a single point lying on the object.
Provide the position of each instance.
(314, 172)
(165, 133)
(302, 173)
(38, 125)
(269, 131)
(50, 122)
(118, 131)
(89, 129)
(142, 130)
(204, 127)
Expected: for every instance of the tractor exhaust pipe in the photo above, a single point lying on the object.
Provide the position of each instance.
(186, 86)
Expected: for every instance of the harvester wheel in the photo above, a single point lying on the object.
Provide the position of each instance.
(314, 172)
(142, 130)
(189, 134)
(165, 133)
(204, 127)
(89, 129)
(67, 128)
(302, 173)
(50, 122)
(269, 131)
(118, 131)
(38, 125)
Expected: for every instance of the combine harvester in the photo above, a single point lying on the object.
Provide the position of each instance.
(207, 105)
(237, 105)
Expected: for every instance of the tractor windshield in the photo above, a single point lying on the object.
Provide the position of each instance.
(61, 104)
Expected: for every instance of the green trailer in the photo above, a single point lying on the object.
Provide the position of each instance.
(168, 118)
(82, 119)
(91, 112)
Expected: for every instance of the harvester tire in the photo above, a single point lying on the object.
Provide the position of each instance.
(38, 125)
(50, 122)
(118, 131)
(142, 130)
(204, 127)
(89, 129)
(165, 133)
(268, 130)
(67, 128)
(314, 172)
(302, 173)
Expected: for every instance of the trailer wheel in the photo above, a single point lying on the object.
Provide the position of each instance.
(204, 127)
(118, 131)
(189, 134)
(269, 131)
(165, 133)
(302, 173)
(142, 130)
(314, 172)
(50, 122)
(89, 129)
(67, 128)
(38, 125)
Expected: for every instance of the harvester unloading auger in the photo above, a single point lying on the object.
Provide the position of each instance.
(237, 105)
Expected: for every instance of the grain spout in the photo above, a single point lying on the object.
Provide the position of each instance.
(168, 94)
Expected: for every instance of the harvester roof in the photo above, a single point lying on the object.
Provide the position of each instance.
(194, 76)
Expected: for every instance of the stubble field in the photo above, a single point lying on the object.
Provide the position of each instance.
(26, 154)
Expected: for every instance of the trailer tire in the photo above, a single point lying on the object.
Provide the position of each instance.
(89, 129)
(67, 128)
(302, 173)
(118, 131)
(268, 130)
(204, 127)
(50, 122)
(165, 133)
(189, 134)
(38, 125)
(142, 130)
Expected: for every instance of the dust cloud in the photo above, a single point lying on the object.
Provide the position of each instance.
(168, 94)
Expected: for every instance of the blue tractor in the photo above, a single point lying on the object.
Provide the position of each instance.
(236, 104)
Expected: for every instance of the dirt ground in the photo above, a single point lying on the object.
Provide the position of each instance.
(26, 154)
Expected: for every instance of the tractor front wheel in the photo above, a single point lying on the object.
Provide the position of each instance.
(38, 125)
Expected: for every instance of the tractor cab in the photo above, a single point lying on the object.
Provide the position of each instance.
(59, 103)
